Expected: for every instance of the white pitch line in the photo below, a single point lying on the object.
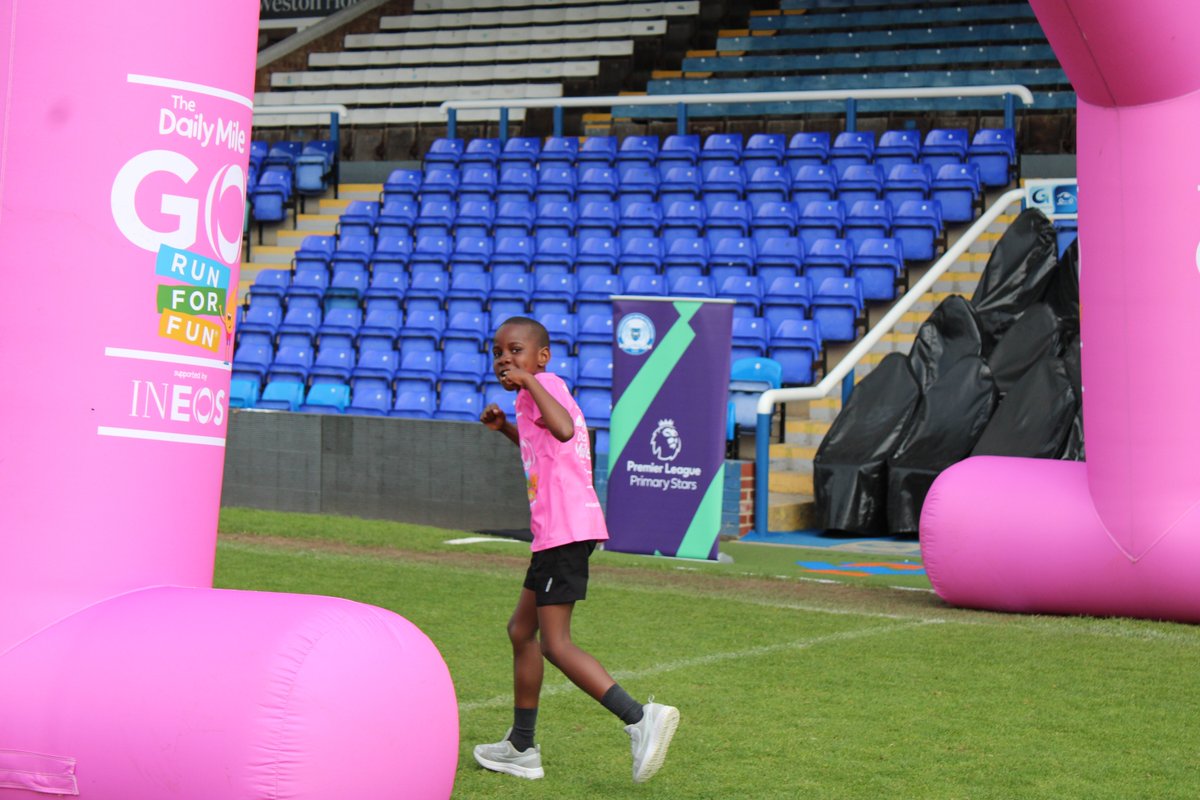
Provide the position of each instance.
(561, 687)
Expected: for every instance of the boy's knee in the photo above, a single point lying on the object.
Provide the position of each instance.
(553, 649)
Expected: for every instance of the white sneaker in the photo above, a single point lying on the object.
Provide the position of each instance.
(650, 737)
(503, 757)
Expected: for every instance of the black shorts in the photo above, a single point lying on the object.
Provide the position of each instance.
(559, 574)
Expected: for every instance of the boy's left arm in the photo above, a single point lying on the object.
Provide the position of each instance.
(554, 417)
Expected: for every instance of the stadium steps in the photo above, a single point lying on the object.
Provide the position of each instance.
(790, 503)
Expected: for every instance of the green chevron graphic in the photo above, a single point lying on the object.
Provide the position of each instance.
(706, 524)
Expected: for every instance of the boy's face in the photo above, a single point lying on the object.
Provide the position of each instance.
(517, 347)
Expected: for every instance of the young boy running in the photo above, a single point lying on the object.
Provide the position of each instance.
(567, 523)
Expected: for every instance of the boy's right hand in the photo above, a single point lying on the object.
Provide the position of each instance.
(494, 417)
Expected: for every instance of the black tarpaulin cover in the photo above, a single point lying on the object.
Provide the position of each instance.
(1035, 418)
(1017, 273)
(951, 332)
(1073, 450)
(850, 468)
(1062, 290)
(944, 428)
(1035, 336)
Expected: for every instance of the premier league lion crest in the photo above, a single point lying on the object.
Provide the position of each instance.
(665, 442)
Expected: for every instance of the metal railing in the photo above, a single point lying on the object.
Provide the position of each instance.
(845, 368)
(1010, 92)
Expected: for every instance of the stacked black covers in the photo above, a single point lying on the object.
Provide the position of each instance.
(998, 375)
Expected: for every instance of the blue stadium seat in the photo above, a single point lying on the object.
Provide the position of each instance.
(796, 346)
(262, 319)
(787, 298)
(821, 220)
(251, 361)
(807, 148)
(732, 255)
(300, 323)
(469, 291)
(376, 366)
(427, 285)
(291, 363)
(271, 198)
(430, 253)
(326, 398)
(907, 182)
(554, 293)
(422, 330)
(648, 285)
(994, 150)
(596, 185)
(514, 218)
(813, 183)
(684, 220)
(419, 368)
(679, 150)
(397, 217)
(868, 219)
(640, 255)
(680, 184)
(641, 219)
(860, 182)
(773, 220)
(314, 251)
(471, 254)
(638, 150)
(727, 218)
(459, 404)
(780, 251)
(476, 184)
(746, 290)
(445, 152)
(523, 150)
(721, 150)
(516, 183)
(562, 329)
(347, 286)
(388, 281)
(897, 147)
(764, 150)
(688, 256)
(402, 184)
(595, 373)
(243, 392)
(637, 184)
(878, 264)
(769, 184)
(751, 336)
(559, 151)
(597, 257)
(944, 146)
(413, 403)
(556, 183)
(465, 368)
(281, 395)
(358, 220)
(748, 379)
(837, 306)
(466, 331)
(828, 258)
(564, 366)
(380, 324)
(506, 400)
(722, 183)
(851, 147)
(918, 226)
(270, 286)
(515, 252)
(435, 218)
(370, 401)
(481, 151)
(597, 328)
(692, 286)
(440, 185)
(597, 151)
(512, 286)
(555, 253)
(341, 325)
(555, 218)
(597, 219)
(957, 187)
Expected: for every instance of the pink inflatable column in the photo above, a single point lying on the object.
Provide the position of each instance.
(1120, 535)
(124, 145)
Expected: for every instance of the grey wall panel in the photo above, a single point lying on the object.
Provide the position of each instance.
(452, 474)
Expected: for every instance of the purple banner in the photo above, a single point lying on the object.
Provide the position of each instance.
(667, 436)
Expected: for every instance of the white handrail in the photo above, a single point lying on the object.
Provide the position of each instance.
(745, 97)
(311, 108)
(768, 399)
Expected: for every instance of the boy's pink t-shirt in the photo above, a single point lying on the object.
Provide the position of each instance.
(563, 506)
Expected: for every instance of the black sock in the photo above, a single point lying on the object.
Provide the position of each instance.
(524, 722)
(618, 701)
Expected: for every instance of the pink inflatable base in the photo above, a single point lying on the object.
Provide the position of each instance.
(1049, 552)
(202, 694)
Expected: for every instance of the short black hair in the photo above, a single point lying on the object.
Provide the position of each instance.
(539, 330)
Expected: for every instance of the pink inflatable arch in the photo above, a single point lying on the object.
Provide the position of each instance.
(1119, 535)
(123, 674)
